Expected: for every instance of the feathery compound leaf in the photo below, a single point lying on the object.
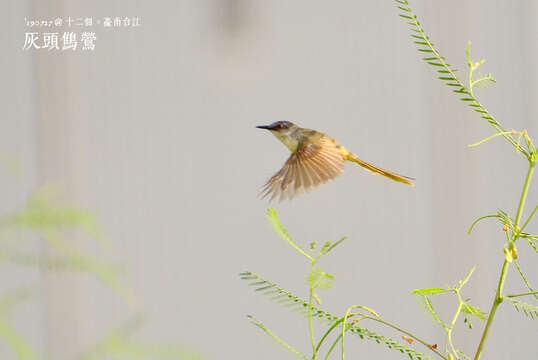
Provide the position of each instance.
(272, 215)
(532, 243)
(527, 309)
(281, 342)
(506, 220)
(426, 46)
(524, 278)
(329, 246)
(284, 297)
(430, 291)
(119, 343)
(287, 298)
(391, 344)
(426, 304)
(469, 309)
(319, 279)
(463, 355)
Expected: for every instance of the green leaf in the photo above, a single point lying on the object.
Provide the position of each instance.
(17, 342)
(469, 309)
(533, 244)
(437, 60)
(44, 211)
(466, 279)
(529, 218)
(318, 279)
(272, 215)
(284, 297)
(426, 304)
(527, 309)
(430, 291)
(478, 220)
(54, 222)
(281, 342)
(329, 246)
(463, 355)
(287, 298)
(119, 343)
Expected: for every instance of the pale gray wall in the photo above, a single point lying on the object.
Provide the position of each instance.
(154, 132)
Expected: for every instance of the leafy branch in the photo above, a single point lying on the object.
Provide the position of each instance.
(527, 309)
(297, 304)
(448, 76)
(524, 278)
(55, 222)
(281, 342)
(463, 307)
(49, 218)
(119, 344)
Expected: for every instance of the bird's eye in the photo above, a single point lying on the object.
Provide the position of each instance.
(280, 126)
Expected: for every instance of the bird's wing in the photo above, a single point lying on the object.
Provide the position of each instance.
(307, 168)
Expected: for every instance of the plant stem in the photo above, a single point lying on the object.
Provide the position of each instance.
(529, 218)
(333, 346)
(449, 330)
(429, 346)
(498, 296)
(523, 294)
(366, 317)
(316, 350)
(498, 300)
(527, 284)
(310, 322)
(524, 193)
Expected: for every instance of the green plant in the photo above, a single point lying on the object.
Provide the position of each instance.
(55, 223)
(514, 228)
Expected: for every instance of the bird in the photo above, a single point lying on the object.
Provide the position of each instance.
(315, 159)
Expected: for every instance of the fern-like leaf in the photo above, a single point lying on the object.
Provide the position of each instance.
(447, 73)
(284, 297)
(287, 298)
(463, 355)
(426, 304)
(281, 342)
(272, 215)
(533, 244)
(474, 310)
(527, 309)
(119, 343)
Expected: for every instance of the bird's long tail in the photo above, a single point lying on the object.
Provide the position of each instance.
(377, 170)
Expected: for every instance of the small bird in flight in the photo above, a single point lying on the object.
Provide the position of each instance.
(315, 159)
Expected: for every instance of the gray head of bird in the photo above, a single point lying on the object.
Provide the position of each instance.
(284, 131)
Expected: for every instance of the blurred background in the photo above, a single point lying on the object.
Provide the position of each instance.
(129, 173)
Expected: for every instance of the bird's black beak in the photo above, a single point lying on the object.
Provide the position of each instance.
(266, 127)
